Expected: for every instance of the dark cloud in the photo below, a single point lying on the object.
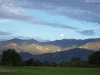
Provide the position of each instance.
(87, 32)
(4, 33)
(76, 9)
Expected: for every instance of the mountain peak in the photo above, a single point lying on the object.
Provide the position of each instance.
(20, 41)
(15, 39)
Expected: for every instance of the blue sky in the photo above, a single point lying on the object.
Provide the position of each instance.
(49, 19)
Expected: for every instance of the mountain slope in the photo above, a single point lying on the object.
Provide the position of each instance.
(31, 48)
(34, 47)
(65, 43)
(19, 41)
(65, 55)
(92, 46)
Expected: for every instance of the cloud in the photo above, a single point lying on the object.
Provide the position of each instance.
(87, 32)
(4, 33)
(14, 9)
(56, 25)
(4, 20)
(75, 9)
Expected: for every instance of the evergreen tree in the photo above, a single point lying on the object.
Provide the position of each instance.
(94, 58)
(11, 57)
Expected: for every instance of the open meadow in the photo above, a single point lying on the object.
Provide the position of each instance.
(49, 71)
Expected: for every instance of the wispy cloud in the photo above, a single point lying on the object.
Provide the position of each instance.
(54, 24)
(14, 9)
(4, 33)
(75, 9)
(87, 32)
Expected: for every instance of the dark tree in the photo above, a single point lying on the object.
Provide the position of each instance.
(11, 57)
(76, 59)
(29, 62)
(53, 64)
(33, 62)
(94, 58)
(38, 63)
(63, 63)
(0, 60)
(46, 63)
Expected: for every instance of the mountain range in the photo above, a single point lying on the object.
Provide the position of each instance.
(64, 48)
(68, 55)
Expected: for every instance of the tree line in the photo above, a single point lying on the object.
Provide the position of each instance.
(11, 58)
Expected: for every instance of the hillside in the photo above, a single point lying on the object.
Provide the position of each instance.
(65, 55)
(36, 48)
(92, 46)
(65, 43)
(32, 46)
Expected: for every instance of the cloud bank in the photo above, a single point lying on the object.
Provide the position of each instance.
(75, 9)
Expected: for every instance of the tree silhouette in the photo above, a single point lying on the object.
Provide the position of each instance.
(11, 57)
(94, 58)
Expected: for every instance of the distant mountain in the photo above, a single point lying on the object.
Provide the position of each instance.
(92, 46)
(32, 46)
(36, 48)
(65, 55)
(26, 55)
(65, 43)
(51, 51)
(19, 41)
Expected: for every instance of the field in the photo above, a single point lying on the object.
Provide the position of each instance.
(49, 71)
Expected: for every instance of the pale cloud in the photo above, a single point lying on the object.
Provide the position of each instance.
(4, 20)
(4, 33)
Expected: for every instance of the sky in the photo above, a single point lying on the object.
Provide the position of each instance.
(49, 19)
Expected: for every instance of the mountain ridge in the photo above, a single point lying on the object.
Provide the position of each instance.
(65, 55)
(36, 48)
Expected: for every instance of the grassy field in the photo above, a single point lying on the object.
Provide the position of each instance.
(50, 71)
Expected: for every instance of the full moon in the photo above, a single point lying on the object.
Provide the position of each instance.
(62, 35)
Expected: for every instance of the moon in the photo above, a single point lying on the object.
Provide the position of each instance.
(62, 35)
